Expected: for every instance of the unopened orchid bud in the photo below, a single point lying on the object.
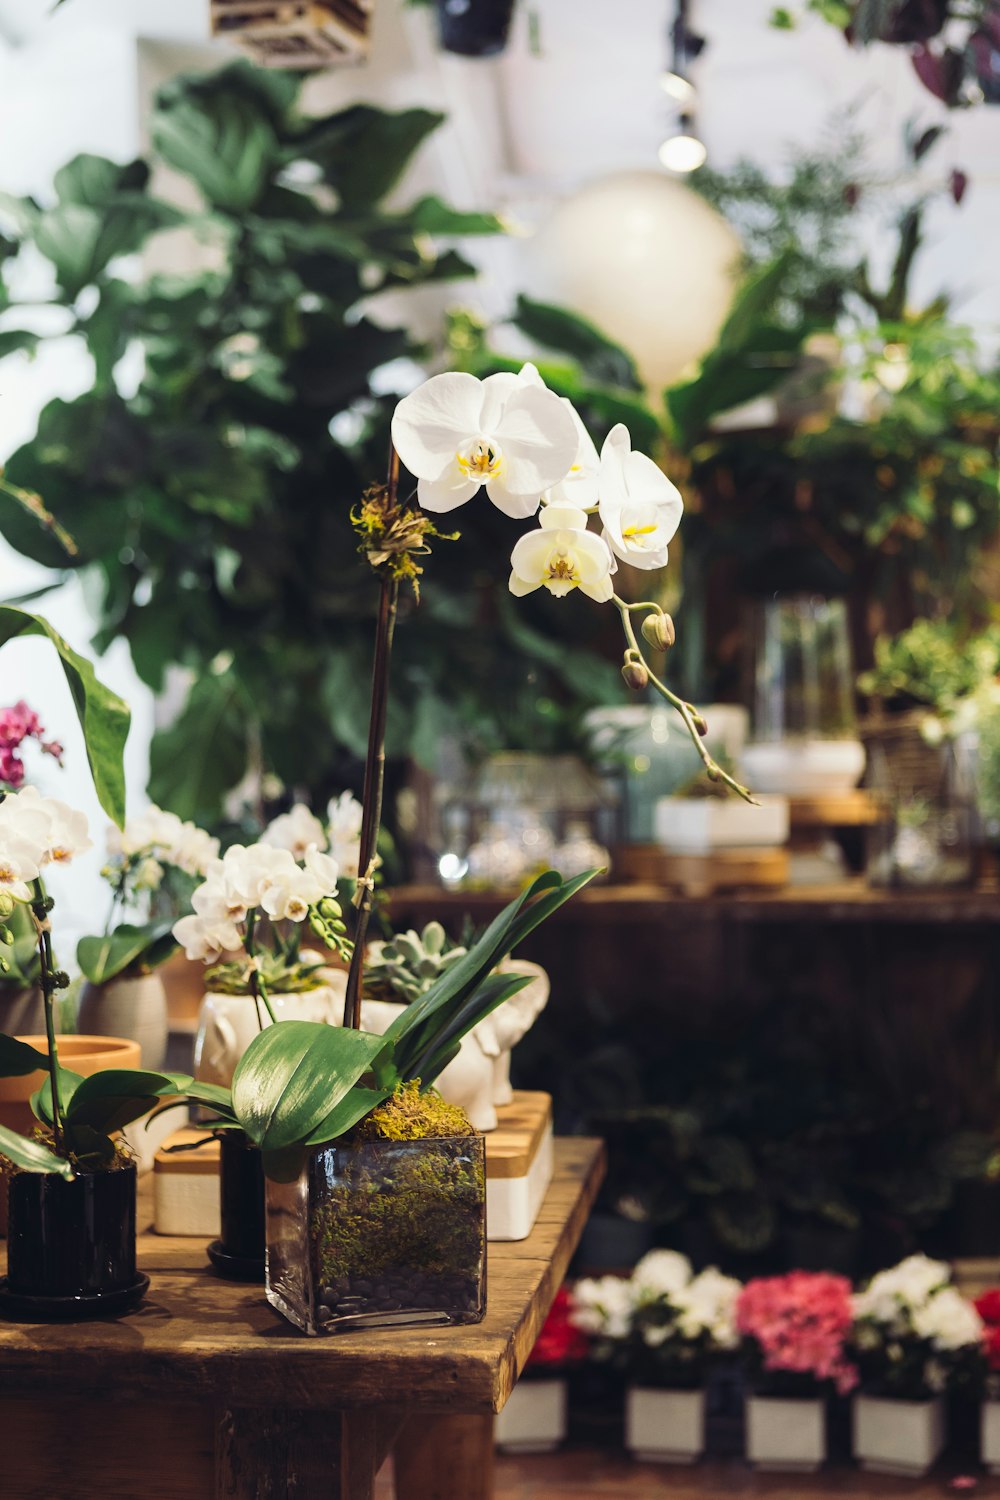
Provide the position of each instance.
(636, 673)
(659, 631)
(699, 723)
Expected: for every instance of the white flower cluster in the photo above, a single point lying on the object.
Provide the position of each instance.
(155, 838)
(36, 831)
(662, 1300)
(299, 830)
(528, 447)
(251, 878)
(915, 1300)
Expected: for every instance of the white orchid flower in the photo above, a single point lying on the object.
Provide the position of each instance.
(18, 866)
(193, 851)
(580, 486)
(324, 870)
(295, 831)
(345, 814)
(456, 433)
(52, 829)
(205, 940)
(562, 555)
(640, 509)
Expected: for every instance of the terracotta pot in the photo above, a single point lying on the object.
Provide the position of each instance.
(82, 1054)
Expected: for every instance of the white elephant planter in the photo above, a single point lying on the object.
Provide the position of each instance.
(227, 1024)
(478, 1079)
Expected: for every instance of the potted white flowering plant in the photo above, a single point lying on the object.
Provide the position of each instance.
(663, 1328)
(154, 863)
(71, 1183)
(375, 1188)
(914, 1336)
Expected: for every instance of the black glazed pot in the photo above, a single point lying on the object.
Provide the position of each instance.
(474, 28)
(71, 1245)
(239, 1253)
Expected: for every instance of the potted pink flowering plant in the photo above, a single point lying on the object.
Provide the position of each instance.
(795, 1330)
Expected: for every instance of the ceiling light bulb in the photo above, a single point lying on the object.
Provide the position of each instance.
(678, 87)
(683, 153)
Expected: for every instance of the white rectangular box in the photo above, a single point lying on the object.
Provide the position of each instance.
(897, 1437)
(697, 825)
(534, 1419)
(786, 1433)
(665, 1427)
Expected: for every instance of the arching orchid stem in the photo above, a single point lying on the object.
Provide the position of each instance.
(40, 915)
(258, 990)
(371, 799)
(689, 715)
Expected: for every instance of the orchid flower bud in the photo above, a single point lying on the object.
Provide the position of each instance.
(659, 631)
(635, 673)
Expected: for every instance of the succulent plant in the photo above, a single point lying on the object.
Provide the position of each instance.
(409, 962)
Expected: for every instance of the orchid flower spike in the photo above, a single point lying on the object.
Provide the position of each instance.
(562, 555)
(639, 507)
(456, 433)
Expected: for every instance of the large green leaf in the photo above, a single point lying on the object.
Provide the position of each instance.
(223, 142)
(356, 1103)
(558, 328)
(431, 215)
(293, 1074)
(112, 1099)
(17, 1059)
(204, 752)
(67, 1083)
(364, 151)
(493, 991)
(102, 958)
(103, 716)
(31, 1156)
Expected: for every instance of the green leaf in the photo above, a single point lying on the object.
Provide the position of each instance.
(212, 1094)
(222, 141)
(204, 752)
(15, 340)
(364, 151)
(112, 1099)
(558, 328)
(356, 1103)
(433, 216)
(31, 1156)
(493, 991)
(292, 1075)
(102, 958)
(103, 716)
(41, 1100)
(18, 1059)
(95, 181)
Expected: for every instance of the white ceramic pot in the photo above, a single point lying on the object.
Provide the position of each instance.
(989, 1435)
(897, 1437)
(664, 1427)
(803, 768)
(697, 825)
(227, 1024)
(534, 1419)
(786, 1433)
(131, 1006)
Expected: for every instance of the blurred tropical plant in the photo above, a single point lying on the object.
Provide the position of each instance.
(209, 493)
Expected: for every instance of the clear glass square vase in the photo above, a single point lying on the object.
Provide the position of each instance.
(373, 1234)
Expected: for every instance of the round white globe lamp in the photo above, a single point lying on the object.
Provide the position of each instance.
(646, 260)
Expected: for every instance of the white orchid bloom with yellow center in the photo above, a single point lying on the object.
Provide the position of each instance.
(456, 433)
(562, 555)
(639, 508)
(580, 485)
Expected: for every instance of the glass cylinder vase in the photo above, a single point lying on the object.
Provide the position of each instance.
(376, 1233)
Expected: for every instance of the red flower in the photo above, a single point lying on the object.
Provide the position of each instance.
(560, 1342)
(988, 1305)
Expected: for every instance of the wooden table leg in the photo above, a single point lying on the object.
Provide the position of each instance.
(275, 1453)
(444, 1458)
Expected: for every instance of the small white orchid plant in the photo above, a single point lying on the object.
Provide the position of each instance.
(914, 1333)
(79, 1118)
(153, 862)
(663, 1325)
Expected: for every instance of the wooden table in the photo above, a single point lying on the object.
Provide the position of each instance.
(206, 1393)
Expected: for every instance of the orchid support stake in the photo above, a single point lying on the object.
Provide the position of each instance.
(689, 715)
(371, 799)
(40, 912)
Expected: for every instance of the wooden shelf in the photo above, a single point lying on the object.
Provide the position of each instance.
(851, 901)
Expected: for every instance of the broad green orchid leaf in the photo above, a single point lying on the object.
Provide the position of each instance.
(292, 1075)
(110, 1100)
(31, 1156)
(103, 958)
(104, 718)
(493, 991)
(41, 1099)
(355, 1104)
(18, 1059)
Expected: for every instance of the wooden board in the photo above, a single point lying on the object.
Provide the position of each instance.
(704, 874)
(199, 1339)
(855, 809)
